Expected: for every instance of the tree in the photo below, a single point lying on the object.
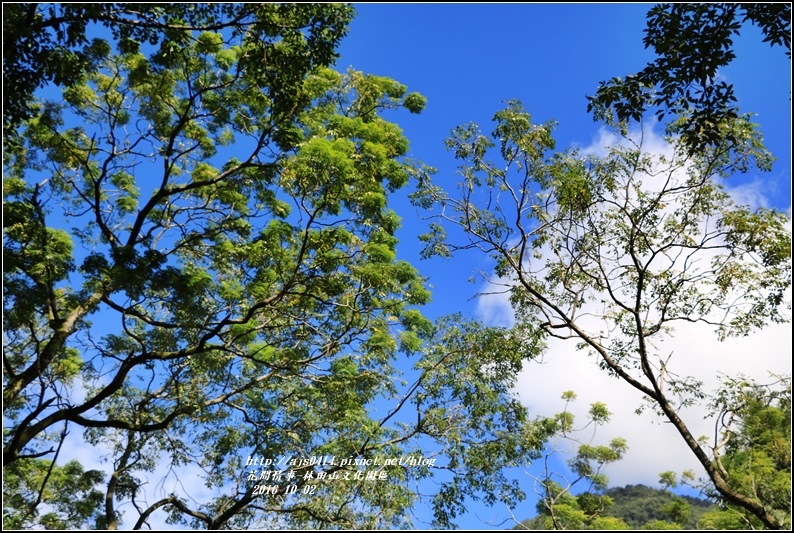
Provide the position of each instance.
(752, 427)
(692, 42)
(50, 42)
(753, 450)
(677, 513)
(200, 274)
(69, 491)
(614, 251)
(558, 507)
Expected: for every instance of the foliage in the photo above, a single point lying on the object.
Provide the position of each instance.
(640, 507)
(466, 404)
(51, 42)
(68, 491)
(753, 450)
(200, 269)
(615, 250)
(692, 41)
(753, 423)
(558, 507)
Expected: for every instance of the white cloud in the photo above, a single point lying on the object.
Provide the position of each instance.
(493, 307)
(654, 445)
(753, 194)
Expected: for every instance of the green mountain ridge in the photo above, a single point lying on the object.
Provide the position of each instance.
(638, 505)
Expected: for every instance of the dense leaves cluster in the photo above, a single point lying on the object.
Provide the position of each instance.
(753, 450)
(692, 41)
(60, 43)
(200, 266)
(68, 490)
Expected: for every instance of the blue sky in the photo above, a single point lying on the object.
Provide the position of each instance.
(468, 59)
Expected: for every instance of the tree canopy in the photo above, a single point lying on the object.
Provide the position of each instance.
(51, 42)
(636, 507)
(200, 271)
(752, 450)
(614, 250)
(558, 506)
(692, 42)
(202, 281)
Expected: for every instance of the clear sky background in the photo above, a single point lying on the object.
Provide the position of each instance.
(468, 59)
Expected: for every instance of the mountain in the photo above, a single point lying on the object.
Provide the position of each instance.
(638, 505)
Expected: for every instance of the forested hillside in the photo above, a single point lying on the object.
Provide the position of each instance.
(638, 506)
